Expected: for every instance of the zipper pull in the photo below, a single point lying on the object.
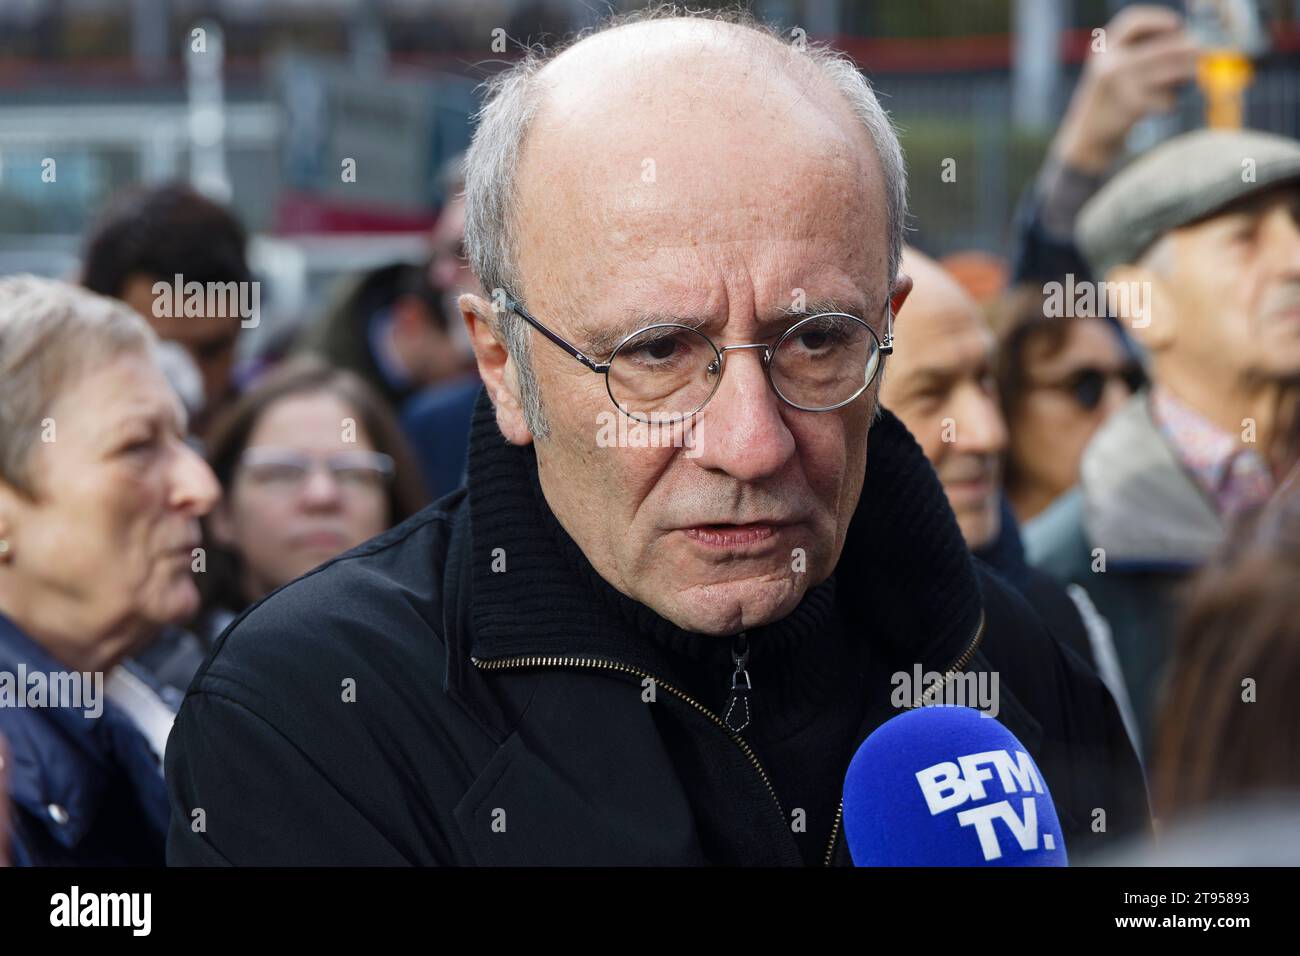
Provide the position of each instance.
(736, 714)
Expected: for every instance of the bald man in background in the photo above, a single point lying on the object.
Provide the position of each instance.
(940, 384)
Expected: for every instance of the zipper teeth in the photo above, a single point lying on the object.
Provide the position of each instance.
(835, 832)
(599, 663)
(956, 666)
(595, 662)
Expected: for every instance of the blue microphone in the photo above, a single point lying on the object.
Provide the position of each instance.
(948, 786)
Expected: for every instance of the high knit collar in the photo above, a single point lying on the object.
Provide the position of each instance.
(904, 584)
(811, 614)
(796, 664)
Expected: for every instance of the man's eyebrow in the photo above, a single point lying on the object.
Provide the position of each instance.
(920, 379)
(599, 342)
(851, 307)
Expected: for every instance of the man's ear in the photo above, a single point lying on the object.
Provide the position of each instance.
(899, 292)
(495, 367)
(1150, 317)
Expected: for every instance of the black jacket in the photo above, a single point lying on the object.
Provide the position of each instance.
(498, 718)
(1005, 554)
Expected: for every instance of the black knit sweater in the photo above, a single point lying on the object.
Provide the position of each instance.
(806, 670)
(804, 703)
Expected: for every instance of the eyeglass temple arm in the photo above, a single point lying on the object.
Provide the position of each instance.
(514, 306)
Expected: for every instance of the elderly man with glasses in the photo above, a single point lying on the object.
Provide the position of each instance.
(1198, 241)
(638, 652)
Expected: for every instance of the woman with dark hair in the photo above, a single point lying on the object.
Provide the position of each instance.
(1229, 727)
(1059, 379)
(312, 464)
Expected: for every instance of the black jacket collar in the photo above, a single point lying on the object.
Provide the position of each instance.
(905, 576)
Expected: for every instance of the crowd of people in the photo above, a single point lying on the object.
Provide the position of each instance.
(1121, 468)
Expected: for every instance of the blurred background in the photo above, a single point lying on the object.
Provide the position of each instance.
(308, 154)
(288, 89)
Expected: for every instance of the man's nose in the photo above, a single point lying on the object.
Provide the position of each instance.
(978, 423)
(1283, 240)
(741, 430)
(194, 487)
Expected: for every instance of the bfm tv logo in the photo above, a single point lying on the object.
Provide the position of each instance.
(948, 785)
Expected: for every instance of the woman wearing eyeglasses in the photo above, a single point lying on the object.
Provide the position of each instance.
(1059, 379)
(312, 463)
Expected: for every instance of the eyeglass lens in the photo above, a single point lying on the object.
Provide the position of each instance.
(284, 469)
(667, 372)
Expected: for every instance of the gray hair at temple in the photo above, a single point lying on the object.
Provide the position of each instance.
(51, 334)
(513, 99)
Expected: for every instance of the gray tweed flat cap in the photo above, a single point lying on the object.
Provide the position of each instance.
(1176, 183)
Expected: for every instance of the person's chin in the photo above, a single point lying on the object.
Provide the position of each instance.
(979, 528)
(727, 607)
(179, 604)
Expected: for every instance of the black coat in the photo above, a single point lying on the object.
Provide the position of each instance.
(479, 736)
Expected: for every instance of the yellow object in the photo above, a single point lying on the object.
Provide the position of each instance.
(1223, 76)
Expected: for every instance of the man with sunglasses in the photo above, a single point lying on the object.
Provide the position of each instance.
(1199, 244)
(663, 650)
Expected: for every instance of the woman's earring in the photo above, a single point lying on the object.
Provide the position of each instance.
(4, 547)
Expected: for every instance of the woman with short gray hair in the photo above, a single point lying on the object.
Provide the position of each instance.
(100, 499)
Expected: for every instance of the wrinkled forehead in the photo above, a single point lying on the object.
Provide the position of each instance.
(641, 158)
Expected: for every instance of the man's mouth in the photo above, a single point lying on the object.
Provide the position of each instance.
(731, 535)
(969, 485)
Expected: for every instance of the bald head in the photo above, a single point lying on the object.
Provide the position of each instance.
(695, 125)
(645, 82)
(688, 172)
(940, 383)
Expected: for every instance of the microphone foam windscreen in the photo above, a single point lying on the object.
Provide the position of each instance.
(948, 786)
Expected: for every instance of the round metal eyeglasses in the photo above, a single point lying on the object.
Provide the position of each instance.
(665, 373)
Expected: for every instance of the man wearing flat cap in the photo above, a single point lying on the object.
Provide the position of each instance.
(1200, 238)
(690, 559)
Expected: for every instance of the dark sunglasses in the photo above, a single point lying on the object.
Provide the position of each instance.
(1087, 385)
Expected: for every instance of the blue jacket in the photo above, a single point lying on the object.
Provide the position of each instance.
(86, 790)
(436, 424)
